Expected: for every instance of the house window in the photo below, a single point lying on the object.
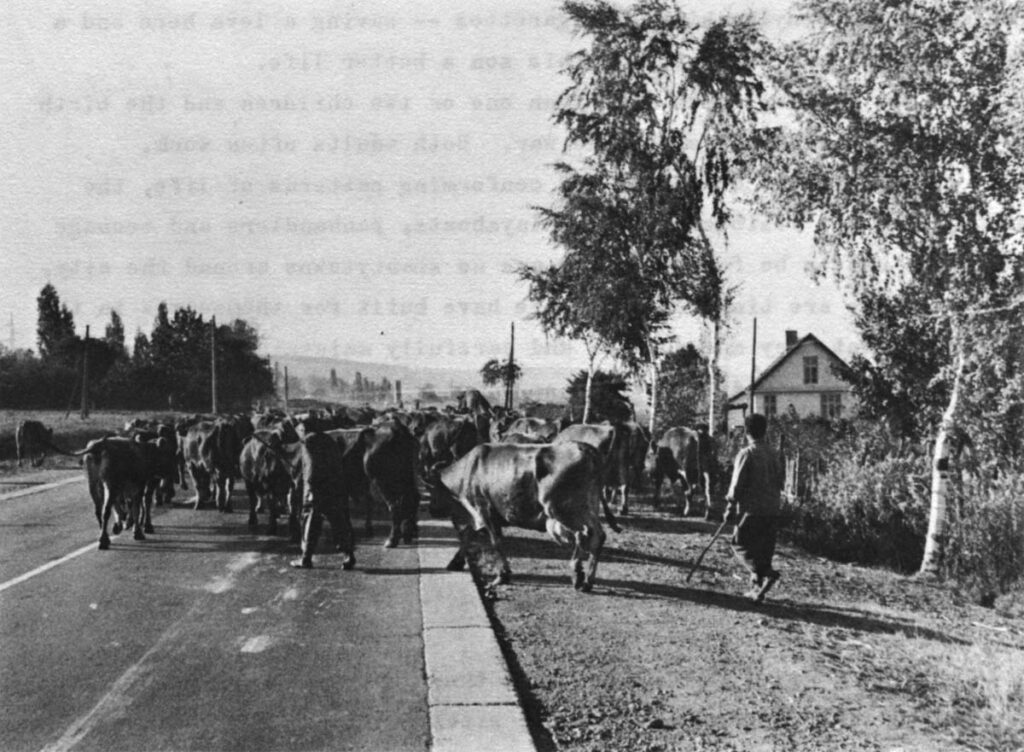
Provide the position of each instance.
(770, 405)
(831, 406)
(811, 369)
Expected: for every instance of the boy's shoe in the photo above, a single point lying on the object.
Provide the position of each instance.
(759, 593)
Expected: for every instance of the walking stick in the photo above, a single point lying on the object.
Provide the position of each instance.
(707, 548)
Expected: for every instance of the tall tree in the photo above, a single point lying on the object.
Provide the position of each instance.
(55, 329)
(904, 156)
(663, 109)
(114, 335)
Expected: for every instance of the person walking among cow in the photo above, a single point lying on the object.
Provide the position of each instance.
(754, 499)
(324, 495)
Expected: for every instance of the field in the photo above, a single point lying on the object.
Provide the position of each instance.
(70, 432)
(840, 657)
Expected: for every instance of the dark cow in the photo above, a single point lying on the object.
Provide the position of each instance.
(324, 496)
(550, 487)
(152, 431)
(685, 455)
(444, 441)
(120, 468)
(472, 401)
(269, 468)
(613, 443)
(628, 461)
(542, 429)
(379, 462)
(32, 439)
(211, 450)
(390, 465)
(520, 438)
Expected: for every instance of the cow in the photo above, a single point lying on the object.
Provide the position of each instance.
(614, 442)
(141, 430)
(445, 440)
(211, 451)
(32, 439)
(120, 468)
(390, 466)
(269, 468)
(546, 430)
(379, 462)
(520, 438)
(548, 487)
(685, 455)
(324, 495)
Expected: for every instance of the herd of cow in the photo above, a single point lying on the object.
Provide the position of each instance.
(484, 468)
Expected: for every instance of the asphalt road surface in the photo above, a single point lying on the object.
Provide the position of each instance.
(201, 637)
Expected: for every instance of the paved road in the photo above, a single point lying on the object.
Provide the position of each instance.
(202, 637)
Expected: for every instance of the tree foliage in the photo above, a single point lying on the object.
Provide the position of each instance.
(608, 396)
(496, 371)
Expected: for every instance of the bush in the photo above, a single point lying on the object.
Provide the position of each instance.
(985, 551)
(873, 513)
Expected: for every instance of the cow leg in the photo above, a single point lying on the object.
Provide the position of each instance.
(596, 537)
(229, 488)
(104, 517)
(273, 509)
(146, 512)
(624, 493)
(656, 480)
(687, 492)
(201, 481)
(254, 504)
(396, 525)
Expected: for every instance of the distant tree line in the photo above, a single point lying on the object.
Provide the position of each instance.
(335, 388)
(168, 369)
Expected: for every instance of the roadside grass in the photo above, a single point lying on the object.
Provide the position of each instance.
(70, 432)
(989, 685)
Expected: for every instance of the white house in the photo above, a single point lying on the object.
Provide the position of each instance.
(801, 378)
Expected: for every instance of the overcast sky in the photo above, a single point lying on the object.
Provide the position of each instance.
(354, 179)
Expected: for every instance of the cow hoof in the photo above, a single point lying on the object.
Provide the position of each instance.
(139, 535)
(117, 528)
(253, 522)
(272, 529)
(104, 543)
(586, 587)
(148, 528)
(227, 509)
(349, 563)
(504, 578)
(391, 542)
(302, 563)
(624, 512)
(457, 564)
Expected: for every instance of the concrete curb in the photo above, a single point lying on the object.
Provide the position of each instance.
(41, 487)
(472, 701)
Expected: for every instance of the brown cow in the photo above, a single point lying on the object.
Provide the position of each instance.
(548, 487)
(685, 455)
(32, 439)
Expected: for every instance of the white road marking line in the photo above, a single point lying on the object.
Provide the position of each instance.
(40, 487)
(128, 686)
(47, 566)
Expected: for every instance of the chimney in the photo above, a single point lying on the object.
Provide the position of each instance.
(791, 339)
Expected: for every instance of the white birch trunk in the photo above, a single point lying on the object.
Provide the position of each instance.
(654, 396)
(712, 371)
(586, 393)
(935, 540)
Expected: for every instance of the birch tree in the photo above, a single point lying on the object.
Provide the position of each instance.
(902, 157)
(662, 107)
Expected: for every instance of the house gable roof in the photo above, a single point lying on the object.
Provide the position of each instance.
(777, 363)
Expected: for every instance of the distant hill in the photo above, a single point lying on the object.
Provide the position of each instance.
(541, 384)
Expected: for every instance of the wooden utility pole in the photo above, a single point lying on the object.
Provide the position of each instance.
(85, 374)
(213, 364)
(286, 388)
(511, 369)
(753, 368)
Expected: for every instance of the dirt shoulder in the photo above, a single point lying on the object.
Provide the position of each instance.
(839, 657)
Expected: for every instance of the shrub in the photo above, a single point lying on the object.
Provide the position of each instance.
(985, 551)
(874, 513)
